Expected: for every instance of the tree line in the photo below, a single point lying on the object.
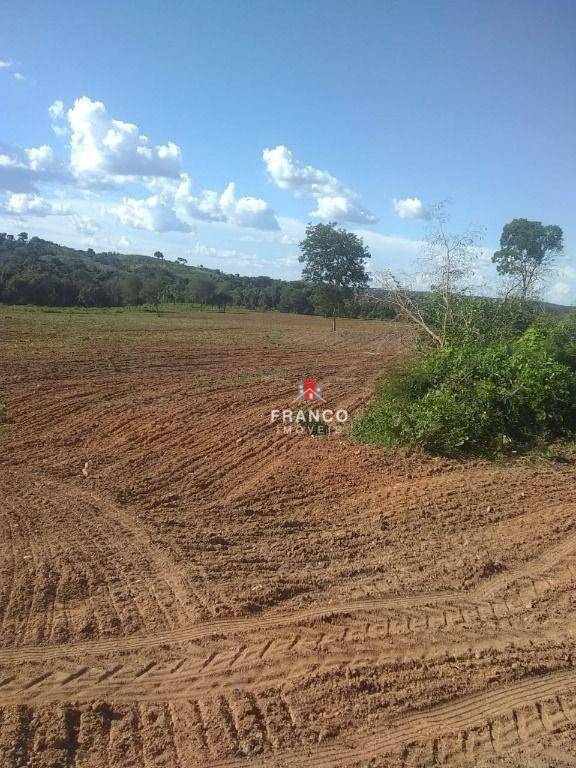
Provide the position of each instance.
(40, 272)
(335, 279)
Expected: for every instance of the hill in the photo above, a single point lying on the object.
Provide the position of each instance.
(36, 271)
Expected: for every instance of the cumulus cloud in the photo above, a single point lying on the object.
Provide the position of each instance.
(187, 204)
(340, 208)
(155, 214)
(19, 76)
(21, 169)
(333, 198)
(247, 211)
(101, 145)
(5, 64)
(107, 154)
(40, 158)
(410, 208)
(563, 290)
(29, 204)
(204, 205)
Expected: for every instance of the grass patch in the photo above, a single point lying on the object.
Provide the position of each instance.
(5, 427)
(245, 379)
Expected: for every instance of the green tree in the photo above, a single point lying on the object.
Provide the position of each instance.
(527, 252)
(158, 255)
(202, 289)
(153, 290)
(294, 298)
(23, 237)
(334, 264)
(222, 299)
(131, 287)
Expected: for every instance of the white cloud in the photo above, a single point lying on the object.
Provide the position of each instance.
(57, 114)
(86, 225)
(5, 64)
(233, 260)
(410, 208)
(103, 146)
(56, 110)
(339, 208)
(155, 214)
(225, 258)
(207, 205)
(21, 169)
(204, 206)
(333, 198)
(28, 204)
(563, 290)
(247, 211)
(19, 76)
(560, 290)
(107, 154)
(40, 158)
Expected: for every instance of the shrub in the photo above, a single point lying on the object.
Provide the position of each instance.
(471, 398)
(479, 319)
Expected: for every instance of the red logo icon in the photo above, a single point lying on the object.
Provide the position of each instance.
(309, 390)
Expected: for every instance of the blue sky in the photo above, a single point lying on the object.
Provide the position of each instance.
(313, 110)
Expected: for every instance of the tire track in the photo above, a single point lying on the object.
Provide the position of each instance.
(537, 567)
(256, 667)
(164, 565)
(457, 608)
(458, 716)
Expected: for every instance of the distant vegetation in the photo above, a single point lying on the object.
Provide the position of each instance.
(36, 271)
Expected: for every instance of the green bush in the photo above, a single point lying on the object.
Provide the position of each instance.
(477, 319)
(483, 399)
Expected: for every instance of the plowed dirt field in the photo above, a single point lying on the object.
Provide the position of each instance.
(183, 586)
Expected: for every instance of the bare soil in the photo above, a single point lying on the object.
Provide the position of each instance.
(183, 586)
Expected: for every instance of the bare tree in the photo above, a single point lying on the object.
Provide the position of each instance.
(405, 301)
(445, 270)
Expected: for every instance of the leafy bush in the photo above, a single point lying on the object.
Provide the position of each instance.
(481, 319)
(488, 399)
